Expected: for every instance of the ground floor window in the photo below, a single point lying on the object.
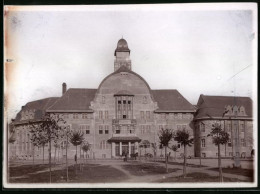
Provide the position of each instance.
(203, 155)
(117, 149)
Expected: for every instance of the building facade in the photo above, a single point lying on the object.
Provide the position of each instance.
(117, 117)
(236, 118)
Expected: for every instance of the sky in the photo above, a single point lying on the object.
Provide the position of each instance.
(207, 49)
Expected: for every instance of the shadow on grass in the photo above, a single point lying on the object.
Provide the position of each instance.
(238, 171)
(91, 173)
(197, 177)
(181, 164)
(147, 169)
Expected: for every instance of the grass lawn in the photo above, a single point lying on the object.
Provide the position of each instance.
(146, 169)
(92, 173)
(25, 169)
(238, 171)
(197, 177)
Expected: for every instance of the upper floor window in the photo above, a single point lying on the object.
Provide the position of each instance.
(66, 116)
(243, 143)
(84, 116)
(203, 143)
(142, 114)
(100, 115)
(106, 114)
(242, 127)
(145, 99)
(202, 127)
(103, 99)
(179, 115)
(148, 116)
(75, 116)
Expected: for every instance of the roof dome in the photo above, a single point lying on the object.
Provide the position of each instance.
(122, 46)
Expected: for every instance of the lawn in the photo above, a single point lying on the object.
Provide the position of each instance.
(92, 173)
(197, 177)
(146, 169)
(238, 171)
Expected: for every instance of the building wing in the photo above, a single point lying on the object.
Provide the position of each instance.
(171, 101)
(74, 100)
(215, 106)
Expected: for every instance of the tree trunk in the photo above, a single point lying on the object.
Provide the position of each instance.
(55, 154)
(166, 159)
(50, 159)
(76, 159)
(43, 153)
(219, 165)
(184, 163)
(67, 170)
(200, 160)
(33, 154)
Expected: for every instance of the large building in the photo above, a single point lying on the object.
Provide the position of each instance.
(119, 116)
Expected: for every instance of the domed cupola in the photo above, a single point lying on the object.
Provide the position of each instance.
(122, 46)
(122, 55)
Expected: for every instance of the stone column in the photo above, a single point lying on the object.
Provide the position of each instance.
(120, 148)
(136, 147)
(129, 148)
(113, 149)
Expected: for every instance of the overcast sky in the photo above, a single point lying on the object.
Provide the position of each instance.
(196, 50)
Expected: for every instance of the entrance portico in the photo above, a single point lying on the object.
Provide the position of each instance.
(124, 145)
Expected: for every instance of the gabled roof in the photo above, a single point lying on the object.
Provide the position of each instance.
(39, 106)
(171, 101)
(214, 106)
(74, 100)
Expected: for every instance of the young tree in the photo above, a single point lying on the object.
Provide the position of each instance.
(165, 136)
(154, 147)
(175, 149)
(86, 147)
(219, 136)
(49, 130)
(183, 137)
(38, 137)
(76, 139)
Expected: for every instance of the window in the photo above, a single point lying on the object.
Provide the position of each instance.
(203, 143)
(142, 114)
(100, 129)
(148, 116)
(87, 131)
(179, 145)
(103, 99)
(230, 154)
(100, 115)
(106, 131)
(117, 131)
(124, 116)
(179, 115)
(203, 155)
(84, 116)
(148, 129)
(106, 114)
(75, 116)
(66, 116)
(229, 127)
(243, 143)
(202, 127)
(129, 105)
(160, 127)
(229, 143)
(237, 154)
(163, 116)
(242, 127)
(144, 99)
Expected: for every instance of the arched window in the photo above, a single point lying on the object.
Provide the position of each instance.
(242, 111)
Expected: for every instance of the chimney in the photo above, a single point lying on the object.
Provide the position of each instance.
(64, 88)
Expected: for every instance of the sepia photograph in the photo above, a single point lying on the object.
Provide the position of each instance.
(130, 96)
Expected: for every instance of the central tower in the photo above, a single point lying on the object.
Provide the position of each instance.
(122, 55)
